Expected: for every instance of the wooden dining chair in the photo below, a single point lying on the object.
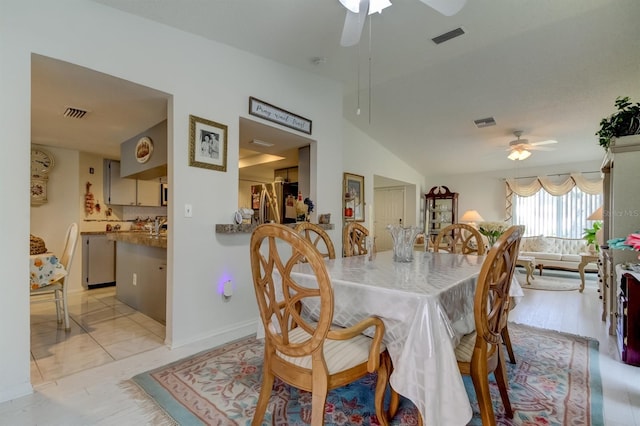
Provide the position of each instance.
(318, 237)
(479, 353)
(460, 238)
(354, 239)
(310, 355)
(59, 288)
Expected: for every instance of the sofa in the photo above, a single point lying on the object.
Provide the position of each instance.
(556, 252)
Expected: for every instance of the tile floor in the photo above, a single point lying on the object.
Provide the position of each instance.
(96, 395)
(103, 330)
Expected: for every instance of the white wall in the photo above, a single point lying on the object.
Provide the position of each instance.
(366, 157)
(50, 221)
(216, 86)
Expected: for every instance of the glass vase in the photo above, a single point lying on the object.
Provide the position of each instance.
(403, 241)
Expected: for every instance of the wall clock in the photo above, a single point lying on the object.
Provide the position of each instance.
(38, 190)
(144, 148)
(41, 162)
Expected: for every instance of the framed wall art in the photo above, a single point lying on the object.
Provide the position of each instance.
(353, 197)
(207, 144)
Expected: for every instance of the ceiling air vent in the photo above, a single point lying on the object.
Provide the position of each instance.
(448, 36)
(75, 112)
(485, 122)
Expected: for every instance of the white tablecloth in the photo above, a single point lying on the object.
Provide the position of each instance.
(426, 306)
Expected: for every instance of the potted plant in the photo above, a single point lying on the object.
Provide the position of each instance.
(590, 236)
(624, 122)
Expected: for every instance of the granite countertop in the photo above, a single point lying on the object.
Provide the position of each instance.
(140, 238)
(248, 228)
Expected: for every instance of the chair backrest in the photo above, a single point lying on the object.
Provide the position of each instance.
(354, 239)
(318, 237)
(275, 249)
(491, 301)
(460, 238)
(70, 243)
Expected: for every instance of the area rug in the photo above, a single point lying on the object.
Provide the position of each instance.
(550, 282)
(556, 381)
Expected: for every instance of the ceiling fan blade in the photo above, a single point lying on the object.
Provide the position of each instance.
(541, 148)
(445, 7)
(547, 142)
(353, 24)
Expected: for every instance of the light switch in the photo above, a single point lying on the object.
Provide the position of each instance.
(188, 210)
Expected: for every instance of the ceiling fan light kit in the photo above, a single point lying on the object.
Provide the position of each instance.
(373, 5)
(519, 154)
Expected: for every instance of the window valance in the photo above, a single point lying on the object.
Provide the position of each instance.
(589, 186)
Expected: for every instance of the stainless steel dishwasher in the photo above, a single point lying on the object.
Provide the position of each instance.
(98, 261)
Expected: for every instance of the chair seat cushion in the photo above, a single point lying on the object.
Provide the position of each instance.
(464, 350)
(339, 355)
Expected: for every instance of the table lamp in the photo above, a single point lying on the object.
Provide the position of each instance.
(471, 217)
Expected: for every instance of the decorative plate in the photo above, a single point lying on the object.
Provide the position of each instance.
(144, 148)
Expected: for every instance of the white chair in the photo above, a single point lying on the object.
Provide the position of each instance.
(59, 288)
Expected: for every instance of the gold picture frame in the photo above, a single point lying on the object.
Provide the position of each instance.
(207, 144)
(353, 197)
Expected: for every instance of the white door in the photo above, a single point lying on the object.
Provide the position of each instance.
(389, 209)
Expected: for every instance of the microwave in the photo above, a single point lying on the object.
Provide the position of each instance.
(164, 194)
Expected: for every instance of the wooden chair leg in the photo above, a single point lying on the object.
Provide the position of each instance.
(502, 381)
(263, 399)
(381, 387)
(480, 378)
(507, 342)
(318, 400)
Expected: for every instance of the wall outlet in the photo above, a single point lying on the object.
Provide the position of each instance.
(228, 289)
(135, 279)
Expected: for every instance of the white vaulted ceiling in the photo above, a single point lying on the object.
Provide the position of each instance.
(550, 68)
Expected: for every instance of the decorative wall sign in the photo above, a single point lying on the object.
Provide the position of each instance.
(207, 144)
(278, 115)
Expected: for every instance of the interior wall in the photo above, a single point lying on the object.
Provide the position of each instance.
(199, 260)
(366, 157)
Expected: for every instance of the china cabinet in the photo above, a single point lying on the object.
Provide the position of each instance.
(621, 203)
(441, 210)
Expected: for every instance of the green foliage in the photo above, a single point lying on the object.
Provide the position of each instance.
(624, 122)
(590, 233)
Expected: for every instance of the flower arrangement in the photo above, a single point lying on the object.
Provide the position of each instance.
(492, 230)
(630, 242)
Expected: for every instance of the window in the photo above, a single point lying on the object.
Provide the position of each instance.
(559, 216)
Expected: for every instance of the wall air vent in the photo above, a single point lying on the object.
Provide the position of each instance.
(448, 36)
(485, 122)
(75, 112)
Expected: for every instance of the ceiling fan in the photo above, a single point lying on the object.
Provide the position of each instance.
(520, 148)
(357, 11)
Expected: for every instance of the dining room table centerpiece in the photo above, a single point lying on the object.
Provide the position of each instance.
(492, 230)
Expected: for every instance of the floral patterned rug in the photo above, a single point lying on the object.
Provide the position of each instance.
(556, 381)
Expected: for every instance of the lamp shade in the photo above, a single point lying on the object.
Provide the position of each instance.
(596, 215)
(471, 216)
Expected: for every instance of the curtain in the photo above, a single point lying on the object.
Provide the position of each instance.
(589, 186)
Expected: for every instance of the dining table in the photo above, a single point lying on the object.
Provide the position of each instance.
(426, 306)
(44, 269)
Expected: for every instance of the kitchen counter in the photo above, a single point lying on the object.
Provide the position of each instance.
(248, 228)
(140, 238)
